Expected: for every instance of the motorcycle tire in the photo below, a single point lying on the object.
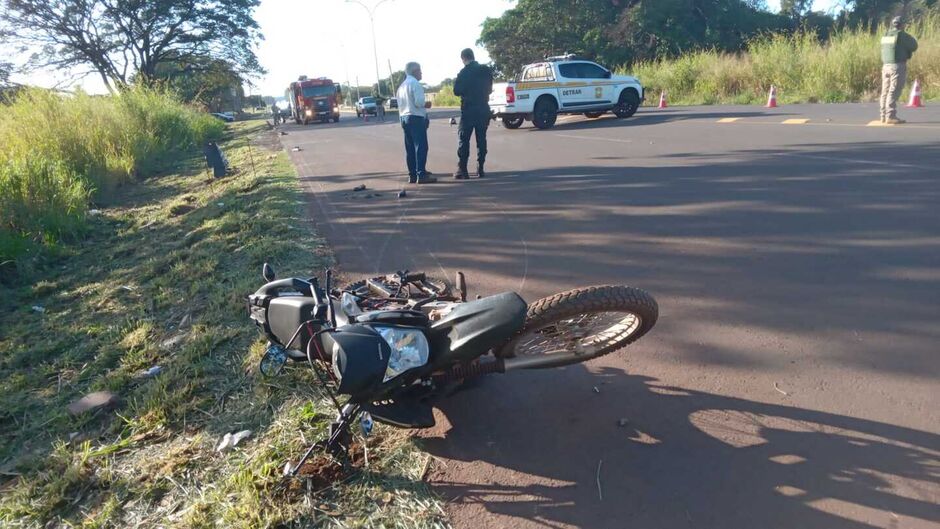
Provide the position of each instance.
(554, 333)
(359, 288)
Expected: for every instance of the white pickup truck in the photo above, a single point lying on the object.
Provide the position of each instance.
(564, 85)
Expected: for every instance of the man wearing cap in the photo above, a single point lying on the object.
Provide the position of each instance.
(896, 48)
(473, 84)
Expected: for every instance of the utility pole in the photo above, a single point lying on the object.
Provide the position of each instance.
(375, 53)
(358, 95)
(391, 82)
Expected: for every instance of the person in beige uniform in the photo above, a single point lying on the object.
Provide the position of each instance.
(897, 47)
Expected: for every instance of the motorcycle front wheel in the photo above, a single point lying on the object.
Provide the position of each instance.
(580, 324)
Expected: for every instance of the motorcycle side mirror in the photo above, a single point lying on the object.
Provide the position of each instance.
(267, 273)
(273, 361)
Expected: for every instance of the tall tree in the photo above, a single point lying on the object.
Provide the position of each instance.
(123, 40)
(880, 11)
(534, 29)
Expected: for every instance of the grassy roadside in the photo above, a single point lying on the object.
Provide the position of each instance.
(160, 279)
(845, 69)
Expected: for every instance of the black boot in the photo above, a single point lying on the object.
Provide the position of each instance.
(461, 172)
(480, 172)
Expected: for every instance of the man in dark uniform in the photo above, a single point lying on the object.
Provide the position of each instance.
(473, 85)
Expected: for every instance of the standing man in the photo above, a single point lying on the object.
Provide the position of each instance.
(276, 112)
(380, 110)
(896, 48)
(413, 110)
(474, 84)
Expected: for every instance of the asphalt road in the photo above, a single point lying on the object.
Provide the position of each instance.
(792, 379)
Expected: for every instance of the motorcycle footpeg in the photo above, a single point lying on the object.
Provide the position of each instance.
(403, 414)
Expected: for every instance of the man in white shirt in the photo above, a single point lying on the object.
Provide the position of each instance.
(413, 110)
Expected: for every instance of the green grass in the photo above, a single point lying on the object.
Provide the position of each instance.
(847, 68)
(445, 97)
(61, 152)
(160, 278)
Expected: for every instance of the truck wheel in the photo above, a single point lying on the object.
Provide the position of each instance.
(593, 115)
(628, 104)
(545, 113)
(513, 122)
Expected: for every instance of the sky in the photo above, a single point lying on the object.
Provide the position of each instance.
(336, 42)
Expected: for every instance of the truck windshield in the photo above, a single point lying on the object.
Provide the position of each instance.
(318, 91)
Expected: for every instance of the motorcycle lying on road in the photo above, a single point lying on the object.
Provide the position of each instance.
(391, 346)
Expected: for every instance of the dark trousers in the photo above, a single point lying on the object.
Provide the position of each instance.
(416, 145)
(472, 121)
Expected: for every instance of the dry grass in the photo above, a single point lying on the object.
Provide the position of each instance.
(844, 69)
(155, 283)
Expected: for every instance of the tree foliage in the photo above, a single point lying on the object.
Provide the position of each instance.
(621, 31)
(874, 12)
(129, 40)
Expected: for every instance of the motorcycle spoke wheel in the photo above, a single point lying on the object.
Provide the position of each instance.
(581, 324)
(585, 334)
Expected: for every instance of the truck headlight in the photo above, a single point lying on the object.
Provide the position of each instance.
(409, 349)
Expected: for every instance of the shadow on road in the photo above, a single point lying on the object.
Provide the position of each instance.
(652, 117)
(684, 459)
(812, 258)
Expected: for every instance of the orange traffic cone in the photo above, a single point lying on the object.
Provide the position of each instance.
(915, 101)
(772, 98)
(662, 100)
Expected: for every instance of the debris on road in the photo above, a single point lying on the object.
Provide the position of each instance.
(780, 390)
(360, 187)
(231, 440)
(453, 121)
(600, 493)
(402, 194)
(296, 149)
(283, 133)
(93, 401)
(623, 422)
(596, 390)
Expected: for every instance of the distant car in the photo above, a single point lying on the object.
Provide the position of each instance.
(391, 103)
(366, 105)
(224, 116)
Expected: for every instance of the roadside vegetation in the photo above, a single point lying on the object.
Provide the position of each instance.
(159, 278)
(845, 68)
(64, 153)
(445, 97)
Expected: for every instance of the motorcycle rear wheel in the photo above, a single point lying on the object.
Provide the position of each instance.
(581, 324)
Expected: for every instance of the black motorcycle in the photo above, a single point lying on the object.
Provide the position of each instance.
(387, 348)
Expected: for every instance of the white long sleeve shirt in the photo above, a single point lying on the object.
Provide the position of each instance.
(411, 98)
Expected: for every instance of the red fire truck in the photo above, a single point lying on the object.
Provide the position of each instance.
(314, 99)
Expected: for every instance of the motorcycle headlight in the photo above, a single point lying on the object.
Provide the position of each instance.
(409, 349)
(335, 109)
(308, 112)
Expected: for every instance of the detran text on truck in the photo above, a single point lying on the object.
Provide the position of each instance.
(314, 99)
